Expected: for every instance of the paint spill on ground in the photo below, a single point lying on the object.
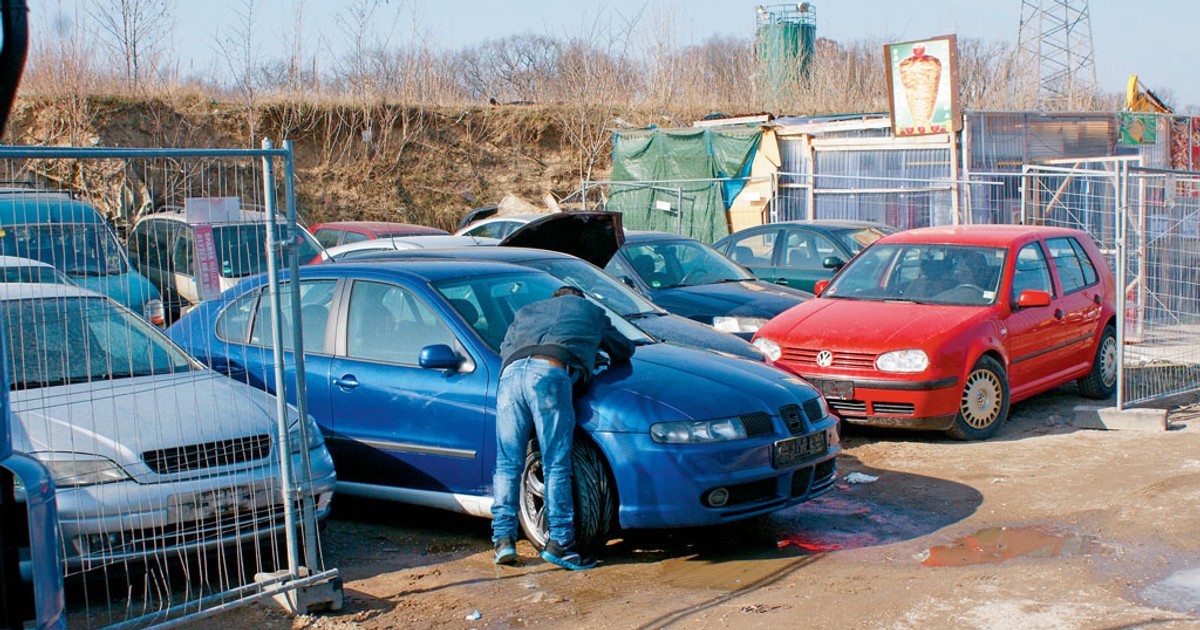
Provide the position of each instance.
(997, 544)
(1180, 591)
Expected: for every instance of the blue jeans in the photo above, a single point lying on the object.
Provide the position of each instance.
(534, 395)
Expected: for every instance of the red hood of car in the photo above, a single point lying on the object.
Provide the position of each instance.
(875, 326)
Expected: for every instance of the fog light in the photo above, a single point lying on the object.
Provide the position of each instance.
(717, 497)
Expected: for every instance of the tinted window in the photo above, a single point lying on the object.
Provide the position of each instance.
(183, 253)
(388, 323)
(755, 250)
(664, 264)
(241, 249)
(1031, 273)
(355, 237)
(327, 237)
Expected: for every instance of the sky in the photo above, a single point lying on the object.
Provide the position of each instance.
(1128, 38)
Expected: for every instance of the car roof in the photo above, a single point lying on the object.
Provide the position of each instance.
(643, 236)
(27, 207)
(832, 224)
(382, 228)
(990, 235)
(422, 269)
(501, 254)
(18, 261)
(27, 290)
(177, 213)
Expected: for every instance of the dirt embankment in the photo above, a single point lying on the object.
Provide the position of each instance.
(352, 162)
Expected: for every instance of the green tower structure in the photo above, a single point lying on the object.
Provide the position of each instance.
(785, 40)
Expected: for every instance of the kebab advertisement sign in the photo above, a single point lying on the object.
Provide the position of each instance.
(922, 80)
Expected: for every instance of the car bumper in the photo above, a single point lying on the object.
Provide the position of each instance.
(925, 405)
(664, 485)
(123, 521)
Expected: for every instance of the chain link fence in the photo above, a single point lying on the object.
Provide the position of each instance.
(181, 492)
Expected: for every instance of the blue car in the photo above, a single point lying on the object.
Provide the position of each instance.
(691, 279)
(402, 366)
(70, 235)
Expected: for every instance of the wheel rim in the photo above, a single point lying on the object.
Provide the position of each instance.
(1108, 362)
(533, 500)
(982, 399)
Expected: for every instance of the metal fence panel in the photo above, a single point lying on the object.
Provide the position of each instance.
(181, 491)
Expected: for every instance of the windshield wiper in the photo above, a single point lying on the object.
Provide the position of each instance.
(643, 315)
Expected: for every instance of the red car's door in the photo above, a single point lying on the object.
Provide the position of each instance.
(1036, 334)
(1082, 296)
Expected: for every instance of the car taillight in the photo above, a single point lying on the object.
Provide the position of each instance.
(154, 313)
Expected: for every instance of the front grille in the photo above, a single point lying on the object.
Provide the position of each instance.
(793, 418)
(209, 455)
(757, 423)
(852, 407)
(893, 409)
(825, 469)
(812, 410)
(813, 478)
(841, 359)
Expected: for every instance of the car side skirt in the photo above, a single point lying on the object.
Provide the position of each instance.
(462, 503)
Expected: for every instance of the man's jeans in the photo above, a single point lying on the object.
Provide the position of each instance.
(534, 395)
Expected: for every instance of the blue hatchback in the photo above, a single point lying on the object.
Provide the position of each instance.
(402, 366)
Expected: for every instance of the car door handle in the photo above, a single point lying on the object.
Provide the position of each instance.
(346, 383)
(782, 281)
(1058, 313)
(232, 369)
(1096, 298)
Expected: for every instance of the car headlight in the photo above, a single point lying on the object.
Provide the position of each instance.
(903, 361)
(72, 470)
(314, 437)
(722, 430)
(769, 348)
(738, 324)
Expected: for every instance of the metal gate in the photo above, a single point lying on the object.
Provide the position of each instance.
(181, 491)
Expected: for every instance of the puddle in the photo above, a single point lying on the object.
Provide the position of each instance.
(1180, 591)
(997, 544)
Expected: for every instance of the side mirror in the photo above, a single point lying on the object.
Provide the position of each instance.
(1031, 297)
(439, 357)
(820, 287)
(833, 262)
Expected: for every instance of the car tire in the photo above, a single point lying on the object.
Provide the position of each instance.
(984, 404)
(595, 497)
(1101, 381)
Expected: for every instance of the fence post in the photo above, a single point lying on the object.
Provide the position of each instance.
(1122, 269)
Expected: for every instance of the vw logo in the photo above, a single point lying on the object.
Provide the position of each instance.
(824, 358)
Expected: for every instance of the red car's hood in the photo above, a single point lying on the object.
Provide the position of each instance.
(879, 326)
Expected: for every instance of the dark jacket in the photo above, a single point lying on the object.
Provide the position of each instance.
(568, 328)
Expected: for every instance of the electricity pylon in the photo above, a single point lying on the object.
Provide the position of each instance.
(1055, 47)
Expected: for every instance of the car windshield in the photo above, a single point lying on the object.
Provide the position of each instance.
(76, 249)
(681, 263)
(597, 284)
(924, 273)
(60, 340)
(488, 303)
(34, 275)
(241, 248)
(858, 240)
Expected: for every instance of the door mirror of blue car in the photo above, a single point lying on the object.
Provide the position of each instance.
(440, 357)
(833, 262)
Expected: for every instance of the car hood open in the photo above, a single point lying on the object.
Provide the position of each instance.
(593, 236)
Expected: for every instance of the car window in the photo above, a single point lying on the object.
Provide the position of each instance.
(597, 284)
(316, 298)
(158, 244)
(858, 240)
(390, 324)
(494, 229)
(184, 251)
(807, 250)
(57, 341)
(617, 269)
(355, 237)
(234, 323)
(754, 250)
(77, 249)
(36, 275)
(1074, 272)
(327, 237)
(1032, 273)
(241, 248)
(1090, 276)
(673, 263)
(925, 273)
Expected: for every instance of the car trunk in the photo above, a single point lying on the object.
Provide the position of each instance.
(593, 236)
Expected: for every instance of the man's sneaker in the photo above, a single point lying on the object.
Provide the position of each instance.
(506, 552)
(566, 557)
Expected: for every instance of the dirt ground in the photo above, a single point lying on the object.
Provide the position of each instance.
(1079, 529)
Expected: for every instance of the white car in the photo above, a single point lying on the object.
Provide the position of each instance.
(404, 243)
(498, 226)
(151, 452)
(18, 269)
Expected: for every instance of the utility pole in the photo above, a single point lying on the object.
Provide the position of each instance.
(1055, 47)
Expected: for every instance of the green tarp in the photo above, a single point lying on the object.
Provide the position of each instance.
(655, 160)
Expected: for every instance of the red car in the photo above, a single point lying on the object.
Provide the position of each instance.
(942, 328)
(342, 232)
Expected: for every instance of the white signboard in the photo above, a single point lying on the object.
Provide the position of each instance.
(208, 270)
(665, 206)
(199, 210)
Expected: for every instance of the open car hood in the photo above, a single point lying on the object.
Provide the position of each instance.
(593, 236)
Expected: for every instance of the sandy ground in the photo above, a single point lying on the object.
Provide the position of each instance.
(1100, 531)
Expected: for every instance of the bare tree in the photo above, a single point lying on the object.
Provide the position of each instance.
(240, 49)
(134, 32)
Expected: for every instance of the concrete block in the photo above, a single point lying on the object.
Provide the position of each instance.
(1112, 419)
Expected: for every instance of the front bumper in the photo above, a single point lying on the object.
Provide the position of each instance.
(123, 521)
(664, 485)
(924, 405)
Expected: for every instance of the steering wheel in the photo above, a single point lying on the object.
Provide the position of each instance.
(968, 285)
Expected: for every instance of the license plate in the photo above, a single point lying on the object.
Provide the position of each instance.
(837, 390)
(792, 450)
(221, 502)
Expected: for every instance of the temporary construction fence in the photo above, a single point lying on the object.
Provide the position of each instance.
(181, 492)
(1147, 222)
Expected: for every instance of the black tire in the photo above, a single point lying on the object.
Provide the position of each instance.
(1101, 381)
(595, 497)
(984, 404)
